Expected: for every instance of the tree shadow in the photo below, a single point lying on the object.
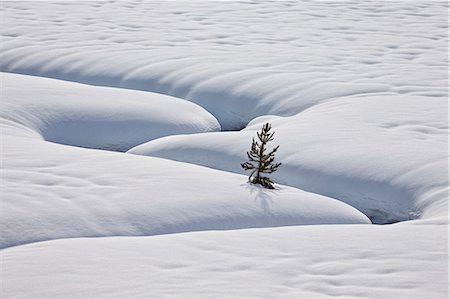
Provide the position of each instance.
(261, 195)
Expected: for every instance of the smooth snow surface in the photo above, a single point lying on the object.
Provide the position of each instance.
(289, 262)
(238, 60)
(357, 94)
(54, 191)
(106, 118)
(385, 155)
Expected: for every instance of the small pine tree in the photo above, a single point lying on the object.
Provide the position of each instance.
(261, 162)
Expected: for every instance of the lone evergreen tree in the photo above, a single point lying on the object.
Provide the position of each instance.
(260, 161)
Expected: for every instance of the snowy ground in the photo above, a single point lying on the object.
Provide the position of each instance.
(403, 261)
(357, 95)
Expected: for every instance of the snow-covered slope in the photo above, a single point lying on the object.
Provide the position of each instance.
(237, 59)
(351, 262)
(356, 90)
(54, 191)
(96, 117)
(385, 155)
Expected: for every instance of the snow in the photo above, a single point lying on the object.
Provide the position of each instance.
(357, 95)
(236, 59)
(77, 192)
(98, 117)
(339, 149)
(288, 262)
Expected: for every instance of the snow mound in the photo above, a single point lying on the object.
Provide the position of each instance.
(98, 117)
(385, 155)
(258, 122)
(55, 191)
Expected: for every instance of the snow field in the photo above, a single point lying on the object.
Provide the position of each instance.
(320, 261)
(54, 191)
(238, 60)
(357, 93)
(384, 155)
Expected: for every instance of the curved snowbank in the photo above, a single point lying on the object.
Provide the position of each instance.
(54, 191)
(385, 155)
(98, 117)
(238, 60)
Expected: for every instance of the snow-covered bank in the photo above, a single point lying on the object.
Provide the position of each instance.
(55, 191)
(351, 262)
(97, 117)
(385, 155)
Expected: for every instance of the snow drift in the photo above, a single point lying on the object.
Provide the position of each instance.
(54, 191)
(357, 93)
(98, 117)
(238, 60)
(385, 155)
(286, 262)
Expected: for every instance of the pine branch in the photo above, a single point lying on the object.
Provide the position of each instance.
(248, 166)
